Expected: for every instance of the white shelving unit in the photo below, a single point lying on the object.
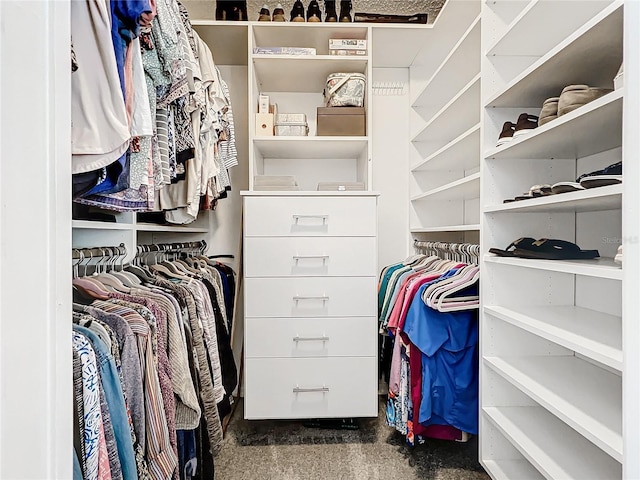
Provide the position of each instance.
(445, 92)
(553, 360)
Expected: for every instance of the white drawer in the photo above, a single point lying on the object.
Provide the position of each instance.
(310, 256)
(311, 337)
(310, 297)
(310, 216)
(311, 387)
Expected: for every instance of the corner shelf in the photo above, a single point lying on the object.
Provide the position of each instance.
(593, 128)
(604, 268)
(463, 189)
(595, 335)
(589, 200)
(465, 105)
(459, 154)
(460, 65)
(564, 386)
(592, 55)
(311, 147)
(519, 36)
(448, 228)
(303, 73)
(554, 448)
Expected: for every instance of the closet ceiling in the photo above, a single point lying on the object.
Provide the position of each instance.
(205, 9)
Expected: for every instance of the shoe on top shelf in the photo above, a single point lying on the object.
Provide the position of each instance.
(330, 10)
(278, 14)
(345, 10)
(297, 12)
(506, 134)
(575, 96)
(526, 122)
(313, 12)
(265, 15)
(549, 110)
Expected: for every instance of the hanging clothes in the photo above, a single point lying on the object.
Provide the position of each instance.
(153, 371)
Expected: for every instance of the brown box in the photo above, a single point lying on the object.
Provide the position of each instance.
(341, 121)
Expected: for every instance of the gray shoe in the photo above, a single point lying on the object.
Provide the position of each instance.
(549, 110)
(574, 96)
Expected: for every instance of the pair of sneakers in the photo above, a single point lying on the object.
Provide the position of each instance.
(526, 122)
(278, 14)
(571, 97)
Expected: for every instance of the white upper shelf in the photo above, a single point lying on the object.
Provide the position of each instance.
(543, 24)
(304, 73)
(591, 55)
(512, 469)
(464, 189)
(595, 335)
(458, 115)
(448, 228)
(460, 66)
(311, 147)
(462, 153)
(604, 268)
(553, 447)
(589, 200)
(590, 129)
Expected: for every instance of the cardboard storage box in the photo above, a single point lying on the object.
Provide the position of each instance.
(264, 124)
(341, 121)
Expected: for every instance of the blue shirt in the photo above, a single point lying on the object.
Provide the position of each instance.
(448, 342)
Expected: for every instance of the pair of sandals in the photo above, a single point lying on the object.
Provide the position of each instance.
(545, 249)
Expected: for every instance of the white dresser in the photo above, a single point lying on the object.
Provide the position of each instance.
(310, 273)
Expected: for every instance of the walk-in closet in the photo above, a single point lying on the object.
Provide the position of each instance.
(319, 239)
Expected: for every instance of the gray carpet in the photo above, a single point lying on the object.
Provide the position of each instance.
(287, 450)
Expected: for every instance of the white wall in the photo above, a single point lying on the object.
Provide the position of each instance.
(391, 164)
(35, 247)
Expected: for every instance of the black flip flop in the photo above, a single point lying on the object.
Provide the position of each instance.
(549, 249)
(522, 243)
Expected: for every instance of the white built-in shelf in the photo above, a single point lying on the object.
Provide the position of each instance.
(228, 41)
(554, 448)
(311, 147)
(152, 227)
(511, 469)
(459, 154)
(564, 385)
(458, 115)
(308, 193)
(305, 35)
(398, 44)
(460, 66)
(604, 268)
(524, 35)
(591, 55)
(91, 225)
(595, 335)
(589, 200)
(593, 128)
(464, 189)
(448, 228)
(302, 73)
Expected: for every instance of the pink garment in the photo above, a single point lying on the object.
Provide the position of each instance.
(104, 470)
(129, 87)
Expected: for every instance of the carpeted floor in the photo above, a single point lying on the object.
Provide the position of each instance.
(287, 450)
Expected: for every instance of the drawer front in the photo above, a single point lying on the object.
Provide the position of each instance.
(311, 337)
(310, 256)
(310, 297)
(310, 216)
(311, 387)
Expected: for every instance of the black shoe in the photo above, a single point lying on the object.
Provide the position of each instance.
(345, 10)
(297, 12)
(314, 14)
(330, 9)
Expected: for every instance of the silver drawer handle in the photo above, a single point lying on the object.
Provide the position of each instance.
(324, 218)
(310, 257)
(323, 389)
(298, 298)
(297, 338)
